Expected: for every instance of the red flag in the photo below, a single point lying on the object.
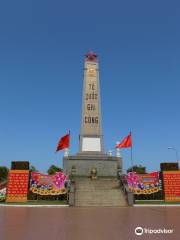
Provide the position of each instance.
(63, 142)
(126, 142)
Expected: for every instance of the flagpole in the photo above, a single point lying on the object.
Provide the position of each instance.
(131, 159)
(131, 153)
(132, 164)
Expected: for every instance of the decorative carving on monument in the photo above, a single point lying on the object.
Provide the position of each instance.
(91, 57)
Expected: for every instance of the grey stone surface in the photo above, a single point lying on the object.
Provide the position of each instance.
(105, 165)
(130, 198)
(91, 105)
(103, 191)
(71, 199)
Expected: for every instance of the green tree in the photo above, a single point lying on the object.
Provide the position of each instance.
(138, 169)
(33, 169)
(53, 169)
(3, 173)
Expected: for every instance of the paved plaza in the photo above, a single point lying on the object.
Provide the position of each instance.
(25, 223)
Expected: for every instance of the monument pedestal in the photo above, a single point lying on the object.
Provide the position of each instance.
(94, 172)
(83, 164)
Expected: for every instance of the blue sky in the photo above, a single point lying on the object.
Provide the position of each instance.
(42, 46)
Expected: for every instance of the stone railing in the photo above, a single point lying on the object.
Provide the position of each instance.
(71, 193)
(128, 194)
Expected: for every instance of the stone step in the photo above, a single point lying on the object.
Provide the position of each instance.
(86, 189)
(97, 198)
(97, 186)
(89, 203)
(97, 181)
(99, 205)
(101, 197)
(100, 200)
(99, 192)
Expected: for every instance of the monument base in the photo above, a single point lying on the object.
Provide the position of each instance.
(81, 165)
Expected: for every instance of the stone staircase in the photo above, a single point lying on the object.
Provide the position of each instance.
(99, 192)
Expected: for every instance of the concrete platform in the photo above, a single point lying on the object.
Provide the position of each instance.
(105, 165)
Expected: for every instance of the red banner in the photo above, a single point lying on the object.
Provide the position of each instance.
(171, 181)
(17, 188)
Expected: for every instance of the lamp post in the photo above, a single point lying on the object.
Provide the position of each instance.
(118, 151)
(176, 151)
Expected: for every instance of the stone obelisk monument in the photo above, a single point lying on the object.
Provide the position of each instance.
(91, 139)
(91, 150)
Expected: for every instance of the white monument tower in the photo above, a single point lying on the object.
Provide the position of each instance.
(91, 152)
(91, 140)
